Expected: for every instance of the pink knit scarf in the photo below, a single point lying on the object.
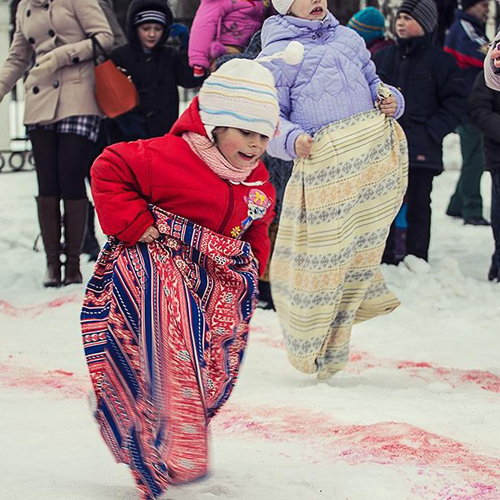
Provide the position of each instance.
(210, 154)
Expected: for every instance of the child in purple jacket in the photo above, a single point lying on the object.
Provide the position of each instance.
(347, 183)
(223, 26)
(336, 80)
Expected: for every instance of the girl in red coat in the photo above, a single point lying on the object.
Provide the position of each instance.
(165, 317)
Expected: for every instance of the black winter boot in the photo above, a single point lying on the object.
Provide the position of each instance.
(75, 220)
(265, 297)
(49, 218)
(91, 246)
(494, 273)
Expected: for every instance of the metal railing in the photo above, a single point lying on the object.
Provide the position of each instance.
(16, 161)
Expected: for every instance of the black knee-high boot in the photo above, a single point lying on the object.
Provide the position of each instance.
(49, 217)
(75, 220)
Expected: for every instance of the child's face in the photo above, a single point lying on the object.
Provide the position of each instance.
(149, 34)
(313, 10)
(407, 27)
(240, 147)
(480, 10)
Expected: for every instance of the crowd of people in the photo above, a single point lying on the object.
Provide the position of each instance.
(310, 144)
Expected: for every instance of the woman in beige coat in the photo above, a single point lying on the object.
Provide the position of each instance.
(52, 41)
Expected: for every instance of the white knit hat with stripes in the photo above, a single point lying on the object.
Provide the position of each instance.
(282, 6)
(242, 94)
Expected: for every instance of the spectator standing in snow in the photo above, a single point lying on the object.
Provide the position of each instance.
(61, 115)
(156, 70)
(467, 42)
(175, 287)
(223, 27)
(331, 235)
(369, 23)
(435, 97)
(484, 110)
(492, 65)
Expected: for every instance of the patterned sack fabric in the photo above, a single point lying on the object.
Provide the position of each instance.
(337, 211)
(164, 330)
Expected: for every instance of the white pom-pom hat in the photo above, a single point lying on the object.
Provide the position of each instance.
(282, 6)
(242, 94)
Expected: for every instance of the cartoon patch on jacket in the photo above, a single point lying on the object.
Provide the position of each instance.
(258, 203)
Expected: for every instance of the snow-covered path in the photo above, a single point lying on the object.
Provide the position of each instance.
(414, 417)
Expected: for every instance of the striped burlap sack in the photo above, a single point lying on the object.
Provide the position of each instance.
(337, 210)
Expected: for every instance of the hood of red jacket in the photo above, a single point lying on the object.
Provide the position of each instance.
(189, 121)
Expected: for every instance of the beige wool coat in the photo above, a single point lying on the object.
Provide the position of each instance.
(62, 26)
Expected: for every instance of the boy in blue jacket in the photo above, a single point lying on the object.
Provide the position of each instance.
(467, 42)
(435, 97)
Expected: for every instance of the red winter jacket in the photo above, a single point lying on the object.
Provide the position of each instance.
(165, 172)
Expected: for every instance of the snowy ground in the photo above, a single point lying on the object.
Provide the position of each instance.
(414, 417)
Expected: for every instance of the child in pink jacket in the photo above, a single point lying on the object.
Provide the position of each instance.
(223, 26)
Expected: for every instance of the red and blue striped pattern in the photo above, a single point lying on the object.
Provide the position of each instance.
(164, 330)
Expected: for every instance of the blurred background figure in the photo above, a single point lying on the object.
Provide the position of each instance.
(156, 70)
(223, 27)
(185, 10)
(435, 104)
(61, 116)
(467, 42)
(370, 24)
(484, 111)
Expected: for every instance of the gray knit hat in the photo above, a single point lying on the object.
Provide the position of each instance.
(423, 11)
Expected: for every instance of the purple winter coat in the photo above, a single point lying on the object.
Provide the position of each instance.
(336, 79)
(235, 20)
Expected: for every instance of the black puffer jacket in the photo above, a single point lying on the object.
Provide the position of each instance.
(484, 111)
(156, 74)
(435, 95)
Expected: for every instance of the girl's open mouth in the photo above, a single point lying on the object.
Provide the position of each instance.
(246, 157)
(317, 11)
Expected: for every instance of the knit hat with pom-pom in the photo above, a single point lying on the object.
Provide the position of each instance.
(242, 94)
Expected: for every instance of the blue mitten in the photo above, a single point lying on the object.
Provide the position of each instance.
(181, 32)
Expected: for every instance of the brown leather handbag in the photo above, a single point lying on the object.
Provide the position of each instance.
(114, 92)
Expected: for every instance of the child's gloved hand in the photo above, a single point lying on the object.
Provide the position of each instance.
(303, 145)
(181, 32)
(150, 235)
(388, 106)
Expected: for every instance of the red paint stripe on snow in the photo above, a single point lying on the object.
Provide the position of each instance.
(63, 382)
(360, 362)
(8, 309)
(384, 443)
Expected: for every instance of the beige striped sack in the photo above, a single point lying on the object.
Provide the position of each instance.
(337, 211)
